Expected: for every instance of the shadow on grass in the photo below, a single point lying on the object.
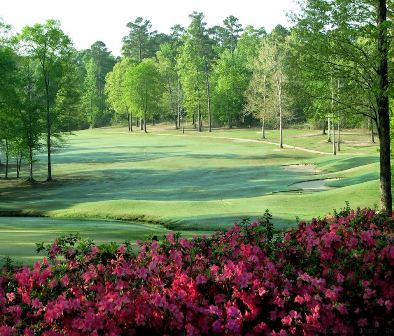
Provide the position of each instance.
(195, 184)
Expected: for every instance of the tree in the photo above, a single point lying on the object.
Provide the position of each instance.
(144, 89)
(116, 89)
(48, 44)
(98, 62)
(348, 40)
(141, 42)
(29, 116)
(194, 65)
(227, 36)
(259, 88)
(172, 97)
(267, 94)
(231, 78)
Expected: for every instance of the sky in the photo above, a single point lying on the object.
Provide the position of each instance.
(87, 21)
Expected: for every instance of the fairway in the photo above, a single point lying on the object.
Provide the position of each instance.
(196, 182)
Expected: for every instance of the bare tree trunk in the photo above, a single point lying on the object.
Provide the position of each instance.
(328, 129)
(263, 128)
(178, 117)
(199, 118)
(137, 122)
(334, 148)
(324, 127)
(6, 158)
(208, 87)
(18, 163)
(280, 111)
(339, 135)
(383, 108)
(141, 124)
(146, 106)
(49, 130)
(131, 121)
(179, 104)
(265, 106)
(372, 131)
(128, 121)
(31, 179)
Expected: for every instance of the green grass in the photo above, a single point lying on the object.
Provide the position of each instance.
(197, 182)
(19, 235)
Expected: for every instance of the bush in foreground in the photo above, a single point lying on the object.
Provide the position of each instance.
(333, 275)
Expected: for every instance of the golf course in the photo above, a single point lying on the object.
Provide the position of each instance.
(112, 185)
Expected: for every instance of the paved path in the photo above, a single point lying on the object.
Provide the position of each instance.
(256, 141)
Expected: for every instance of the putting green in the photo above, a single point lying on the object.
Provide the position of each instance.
(194, 181)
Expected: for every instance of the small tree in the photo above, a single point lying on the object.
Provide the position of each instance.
(116, 90)
(48, 44)
(144, 88)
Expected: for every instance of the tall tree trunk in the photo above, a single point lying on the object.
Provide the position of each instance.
(18, 163)
(372, 130)
(141, 124)
(128, 121)
(280, 111)
(339, 135)
(131, 121)
(137, 122)
(328, 129)
(199, 118)
(265, 106)
(17, 166)
(31, 179)
(49, 129)
(324, 127)
(178, 104)
(383, 108)
(146, 106)
(6, 158)
(263, 128)
(208, 87)
(334, 148)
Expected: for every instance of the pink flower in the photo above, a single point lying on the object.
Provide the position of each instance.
(10, 297)
(299, 299)
(286, 320)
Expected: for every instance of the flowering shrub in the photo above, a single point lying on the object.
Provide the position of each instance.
(333, 275)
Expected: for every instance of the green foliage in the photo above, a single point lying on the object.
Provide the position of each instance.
(115, 86)
(230, 80)
(98, 62)
(144, 89)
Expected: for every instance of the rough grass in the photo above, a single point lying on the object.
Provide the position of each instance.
(195, 181)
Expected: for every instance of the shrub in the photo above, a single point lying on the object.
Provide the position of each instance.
(332, 275)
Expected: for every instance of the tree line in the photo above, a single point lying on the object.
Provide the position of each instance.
(332, 68)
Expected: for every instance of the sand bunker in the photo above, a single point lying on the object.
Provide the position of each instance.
(299, 168)
(317, 185)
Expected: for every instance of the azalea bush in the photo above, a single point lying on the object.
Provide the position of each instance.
(332, 275)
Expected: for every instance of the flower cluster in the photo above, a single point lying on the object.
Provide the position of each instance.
(333, 275)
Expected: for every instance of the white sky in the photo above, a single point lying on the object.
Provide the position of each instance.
(87, 21)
